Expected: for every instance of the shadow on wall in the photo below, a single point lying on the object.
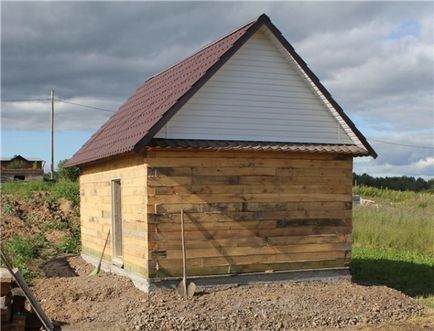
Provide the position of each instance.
(410, 278)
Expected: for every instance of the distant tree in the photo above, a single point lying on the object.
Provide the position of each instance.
(70, 173)
(430, 185)
(403, 183)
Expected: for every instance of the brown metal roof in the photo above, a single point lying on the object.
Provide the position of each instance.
(150, 107)
(255, 146)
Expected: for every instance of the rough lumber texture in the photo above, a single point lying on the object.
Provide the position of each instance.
(248, 211)
(96, 210)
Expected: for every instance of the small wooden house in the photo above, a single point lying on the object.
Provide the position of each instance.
(243, 138)
(21, 168)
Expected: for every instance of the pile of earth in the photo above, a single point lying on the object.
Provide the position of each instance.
(36, 215)
(108, 301)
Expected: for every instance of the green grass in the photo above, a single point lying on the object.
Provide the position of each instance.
(61, 189)
(393, 242)
(410, 273)
(401, 221)
(21, 251)
(427, 301)
(71, 244)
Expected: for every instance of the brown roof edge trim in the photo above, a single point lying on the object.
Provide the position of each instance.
(217, 149)
(196, 86)
(100, 161)
(276, 32)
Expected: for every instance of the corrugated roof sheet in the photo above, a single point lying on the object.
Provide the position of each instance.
(256, 146)
(157, 100)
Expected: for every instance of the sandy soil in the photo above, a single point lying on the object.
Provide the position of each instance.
(110, 302)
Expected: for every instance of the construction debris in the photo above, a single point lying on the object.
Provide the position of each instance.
(14, 305)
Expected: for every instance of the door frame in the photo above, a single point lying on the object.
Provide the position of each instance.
(117, 233)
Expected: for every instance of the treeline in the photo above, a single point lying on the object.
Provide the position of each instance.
(402, 183)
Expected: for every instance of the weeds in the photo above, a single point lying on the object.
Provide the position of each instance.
(29, 218)
(9, 207)
(426, 301)
(71, 244)
(21, 250)
(62, 189)
(36, 206)
(67, 190)
(55, 226)
(399, 222)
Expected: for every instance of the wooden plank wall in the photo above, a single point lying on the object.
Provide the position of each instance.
(96, 210)
(248, 211)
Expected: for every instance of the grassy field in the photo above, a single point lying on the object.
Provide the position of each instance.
(393, 241)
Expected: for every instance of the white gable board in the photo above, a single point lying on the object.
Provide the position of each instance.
(257, 95)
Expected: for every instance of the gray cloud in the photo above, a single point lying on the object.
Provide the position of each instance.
(98, 53)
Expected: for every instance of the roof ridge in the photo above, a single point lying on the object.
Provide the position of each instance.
(204, 47)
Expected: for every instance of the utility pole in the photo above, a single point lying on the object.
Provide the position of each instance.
(52, 135)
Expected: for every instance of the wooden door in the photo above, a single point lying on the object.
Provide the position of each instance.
(117, 222)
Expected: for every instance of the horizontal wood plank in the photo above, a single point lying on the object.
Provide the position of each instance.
(248, 206)
(248, 189)
(252, 241)
(241, 216)
(253, 259)
(260, 197)
(234, 252)
(204, 234)
(164, 271)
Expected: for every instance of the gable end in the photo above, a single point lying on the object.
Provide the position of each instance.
(257, 95)
(159, 98)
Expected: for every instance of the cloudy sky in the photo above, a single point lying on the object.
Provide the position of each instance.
(376, 58)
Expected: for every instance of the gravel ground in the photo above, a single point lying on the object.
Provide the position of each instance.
(112, 302)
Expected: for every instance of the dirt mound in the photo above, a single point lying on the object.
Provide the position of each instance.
(34, 215)
(66, 266)
(34, 228)
(109, 301)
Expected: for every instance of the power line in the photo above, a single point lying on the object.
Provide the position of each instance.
(61, 100)
(25, 100)
(399, 144)
(86, 106)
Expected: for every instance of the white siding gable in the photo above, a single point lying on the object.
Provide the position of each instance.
(257, 95)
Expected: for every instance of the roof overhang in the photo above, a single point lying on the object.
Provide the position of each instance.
(228, 145)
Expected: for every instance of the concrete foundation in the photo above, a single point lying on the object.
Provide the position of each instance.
(147, 285)
(140, 282)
